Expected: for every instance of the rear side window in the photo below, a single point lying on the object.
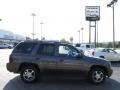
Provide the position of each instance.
(46, 49)
(77, 45)
(87, 46)
(25, 47)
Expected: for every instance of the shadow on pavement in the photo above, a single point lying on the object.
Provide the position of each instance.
(61, 84)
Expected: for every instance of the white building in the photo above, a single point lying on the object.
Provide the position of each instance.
(10, 36)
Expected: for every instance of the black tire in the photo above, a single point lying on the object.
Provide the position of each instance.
(97, 75)
(29, 74)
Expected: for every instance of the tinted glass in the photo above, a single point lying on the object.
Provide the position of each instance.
(77, 45)
(87, 46)
(104, 50)
(46, 49)
(25, 48)
(111, 51)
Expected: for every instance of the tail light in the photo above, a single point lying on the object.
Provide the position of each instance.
(10, 59)
(93, 53)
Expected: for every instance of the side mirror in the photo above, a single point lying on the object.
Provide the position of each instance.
(80, 55)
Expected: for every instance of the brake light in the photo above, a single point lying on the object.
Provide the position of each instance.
(93, 53)
(10, 59)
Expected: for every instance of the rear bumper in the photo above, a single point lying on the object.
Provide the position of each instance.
(12, 67)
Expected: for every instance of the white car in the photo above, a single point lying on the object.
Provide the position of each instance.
(106, 53)
(84, 47)
(4, 45)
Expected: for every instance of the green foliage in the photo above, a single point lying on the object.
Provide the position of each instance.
(64, 41)
(71, 40)
(109, 44)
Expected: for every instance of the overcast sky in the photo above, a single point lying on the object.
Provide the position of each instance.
(62, 18)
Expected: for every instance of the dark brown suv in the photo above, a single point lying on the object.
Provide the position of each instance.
(33, 58)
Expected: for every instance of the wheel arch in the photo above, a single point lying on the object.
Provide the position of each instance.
(99, 66)
(25, 64)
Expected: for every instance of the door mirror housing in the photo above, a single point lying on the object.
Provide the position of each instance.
(80, 54)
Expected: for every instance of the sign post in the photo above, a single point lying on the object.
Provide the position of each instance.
(92, 14)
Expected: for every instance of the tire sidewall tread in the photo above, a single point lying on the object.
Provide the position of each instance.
(29, 67)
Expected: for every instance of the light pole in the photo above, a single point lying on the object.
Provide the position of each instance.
(82, 33)
(33, 14)
(41, 30)
(112, 4)
(89, 32)
(79, 36)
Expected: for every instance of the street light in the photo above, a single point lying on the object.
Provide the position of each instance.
(112, 4)
(82, 33)
(79, 36)
(33, 14)
(41, 30)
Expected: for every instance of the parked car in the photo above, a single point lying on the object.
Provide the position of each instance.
(84, 47)
(4, 45)
(34, 58)
(106, 53)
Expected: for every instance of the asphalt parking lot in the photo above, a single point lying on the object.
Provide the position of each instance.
(10, 81)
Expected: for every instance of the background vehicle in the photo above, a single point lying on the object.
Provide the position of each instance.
(4, 45)
(32, 58)
(84, 47)
(106, 53)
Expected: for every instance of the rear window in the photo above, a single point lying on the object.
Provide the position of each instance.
(24, 47)
(77, 45)
(87, 46)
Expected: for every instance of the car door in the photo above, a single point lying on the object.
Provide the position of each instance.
(45, 56)
(67, 58)
(113, 56)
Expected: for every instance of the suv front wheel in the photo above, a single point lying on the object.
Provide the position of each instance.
(29, 74)
(97, 75)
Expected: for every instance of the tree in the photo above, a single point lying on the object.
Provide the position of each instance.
(118, 45)
(71, 40)
(43, 38)
(63, 41)
(36, 39)
(28, 38)
(109, 45)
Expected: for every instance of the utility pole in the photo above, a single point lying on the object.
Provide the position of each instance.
(79, 36)
(41, 30)
(82, 33)
(89, 32)
(112, 4)
(95, 35)
(33, 14)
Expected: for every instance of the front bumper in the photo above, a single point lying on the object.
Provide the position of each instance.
(110, 71)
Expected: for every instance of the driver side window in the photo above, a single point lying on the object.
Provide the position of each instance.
(67, 51)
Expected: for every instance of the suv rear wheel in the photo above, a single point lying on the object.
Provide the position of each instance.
(29, 74)
(97, 75)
